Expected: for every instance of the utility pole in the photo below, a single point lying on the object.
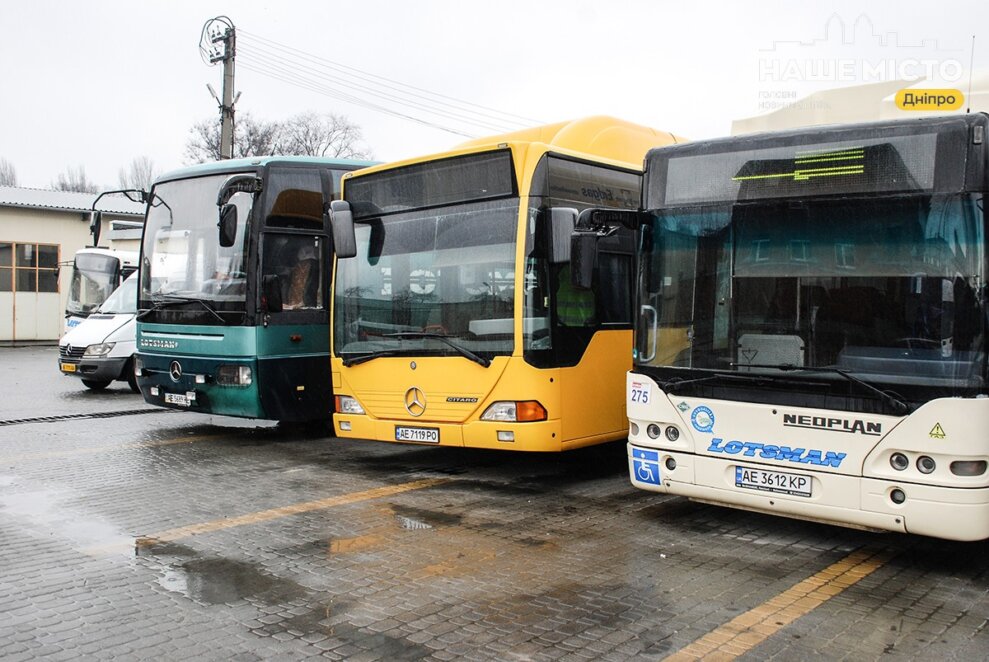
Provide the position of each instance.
(216, 32)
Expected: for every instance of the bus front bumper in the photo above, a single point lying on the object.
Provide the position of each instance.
(534, 436)
(940, 512)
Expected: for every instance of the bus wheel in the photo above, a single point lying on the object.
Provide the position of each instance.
(95, 385)
(131, 377)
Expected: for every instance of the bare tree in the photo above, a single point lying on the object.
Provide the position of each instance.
(308, 134)
(8, 176)
(74, 179)
(326, 134)
(140, 174)
(251, 138)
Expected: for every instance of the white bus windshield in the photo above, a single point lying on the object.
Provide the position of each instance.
(93, 279)
(889, 288)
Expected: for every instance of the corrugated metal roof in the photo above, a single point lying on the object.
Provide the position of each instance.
(13, 196)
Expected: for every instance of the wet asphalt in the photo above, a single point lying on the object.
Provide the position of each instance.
(128, 532)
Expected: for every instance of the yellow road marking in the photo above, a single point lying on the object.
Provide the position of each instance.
(748, 630)
(50, 455)
(171, 535)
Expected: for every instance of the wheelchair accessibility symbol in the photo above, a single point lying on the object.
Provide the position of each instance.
(645, 466)
(646, 472)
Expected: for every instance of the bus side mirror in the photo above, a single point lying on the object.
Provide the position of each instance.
(342, 223)
(583, 257)
(227, 225)
(561, 223)
(96, 226)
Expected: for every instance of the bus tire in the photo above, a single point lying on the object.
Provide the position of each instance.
(95, 385)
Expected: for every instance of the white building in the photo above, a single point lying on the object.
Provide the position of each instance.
(40, 232)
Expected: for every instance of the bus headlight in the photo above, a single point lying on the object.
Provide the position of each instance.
(348, 405)
(523, 411)
(234, 375)
(926, 464)
(98, 350)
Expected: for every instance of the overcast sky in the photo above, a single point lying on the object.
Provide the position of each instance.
(98, 83)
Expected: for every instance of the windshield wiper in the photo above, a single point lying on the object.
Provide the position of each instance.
(728, 376)
(898, 406)
(370, 356)
(463, 351)
(166, 300)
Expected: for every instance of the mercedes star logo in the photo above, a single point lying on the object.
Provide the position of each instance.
(175, 370)
(415, 401)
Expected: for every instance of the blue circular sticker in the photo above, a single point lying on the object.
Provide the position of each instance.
(702, 419)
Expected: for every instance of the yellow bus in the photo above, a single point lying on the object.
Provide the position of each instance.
(454, 321)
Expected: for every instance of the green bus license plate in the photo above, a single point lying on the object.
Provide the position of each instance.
(428, 435)
(778, 482)
(177, 399)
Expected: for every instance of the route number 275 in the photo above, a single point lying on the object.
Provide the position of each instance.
(640, 395)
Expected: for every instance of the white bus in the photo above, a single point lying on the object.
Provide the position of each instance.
(96, 272)
(811, 335)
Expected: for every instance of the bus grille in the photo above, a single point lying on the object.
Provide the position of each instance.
(391, 405)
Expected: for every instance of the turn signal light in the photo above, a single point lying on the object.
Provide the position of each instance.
(530, 410)
(525, 411)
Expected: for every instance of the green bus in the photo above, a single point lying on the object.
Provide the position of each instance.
(233, 297)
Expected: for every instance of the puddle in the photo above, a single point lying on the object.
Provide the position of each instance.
(419, 518)
(222, 581)
(43, 511)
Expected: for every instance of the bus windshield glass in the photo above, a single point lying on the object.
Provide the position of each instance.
(93, 279)
(435, 257)
(182, 255)
(448, 271)
(889, 289)
(123, 301)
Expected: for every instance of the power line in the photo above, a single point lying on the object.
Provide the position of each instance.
(295, 67)
(350, 99)
(385, 82)
(286, 72)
